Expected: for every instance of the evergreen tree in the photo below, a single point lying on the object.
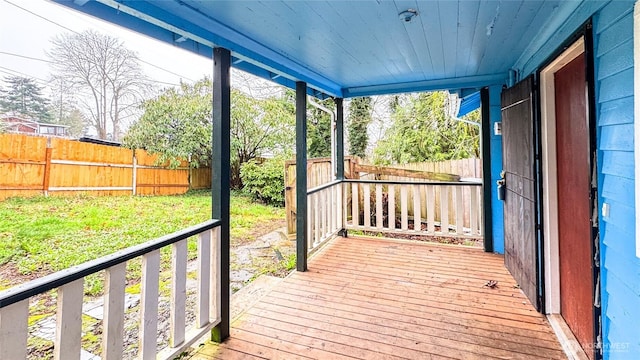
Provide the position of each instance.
(422, 131)
(23, 96)
(359, 120)
(319, 130)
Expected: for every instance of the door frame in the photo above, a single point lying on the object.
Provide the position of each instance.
(580, 42)
(549, 175)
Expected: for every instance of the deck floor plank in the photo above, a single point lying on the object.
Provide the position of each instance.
(370, 298)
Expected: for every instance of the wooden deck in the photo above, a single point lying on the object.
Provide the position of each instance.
(387, 299)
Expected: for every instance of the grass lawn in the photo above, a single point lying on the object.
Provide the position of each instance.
(45, 234)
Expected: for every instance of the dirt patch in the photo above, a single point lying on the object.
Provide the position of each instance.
(466, 241)
(256, 231)
(11, 276)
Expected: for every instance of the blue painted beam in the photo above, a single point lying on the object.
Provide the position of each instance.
(428, 85)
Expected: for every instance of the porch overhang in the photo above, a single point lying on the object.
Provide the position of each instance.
(348, 49)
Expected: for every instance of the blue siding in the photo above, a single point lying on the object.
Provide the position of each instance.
(617, 163)
(613, 28)
(618, 111)
(496, 167)
(620, 268)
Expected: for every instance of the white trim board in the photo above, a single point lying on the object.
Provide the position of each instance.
(636, 115)
(550, 176)
(567, 340)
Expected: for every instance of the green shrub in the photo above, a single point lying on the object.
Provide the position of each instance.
(265, 181)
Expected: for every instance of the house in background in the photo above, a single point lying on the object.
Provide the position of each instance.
(560, 98)
(24, 125)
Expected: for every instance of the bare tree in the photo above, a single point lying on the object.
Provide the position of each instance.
(105, 76)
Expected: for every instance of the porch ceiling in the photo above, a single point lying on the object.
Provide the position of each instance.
(349, 48)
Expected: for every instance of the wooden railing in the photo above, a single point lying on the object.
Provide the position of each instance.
(14, 302)
(325, 204)
(422, 208)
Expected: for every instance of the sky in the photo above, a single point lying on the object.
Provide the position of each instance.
(27, 26)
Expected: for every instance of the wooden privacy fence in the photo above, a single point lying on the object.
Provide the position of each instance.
(32, 165)
(465, 168)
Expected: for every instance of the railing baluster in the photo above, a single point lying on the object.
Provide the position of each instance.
(14, 330)
(459, 211)
(215, 293)
(355, 213)
(404, 211)
(333, 209)
(339, 209)
(178, 293)
(431, 209)
(317, 217)
(391, 191)
(326, 200)
(366, 197)
(149, 305)
(113, 327)
(321, 223)
(345, 189)
(474, 211)
(69, 321)
(310, 222)
(379, 208)
(204, 279)
(417, 206)
(444, 209)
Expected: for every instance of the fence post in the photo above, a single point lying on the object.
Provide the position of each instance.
(134, 170)
(47, 168)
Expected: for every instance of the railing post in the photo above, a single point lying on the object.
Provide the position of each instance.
(221, 178)
(301, 176)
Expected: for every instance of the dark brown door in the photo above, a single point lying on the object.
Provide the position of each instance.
(520, 246)
(574, 207)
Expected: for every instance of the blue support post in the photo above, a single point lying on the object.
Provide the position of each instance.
(496, 167)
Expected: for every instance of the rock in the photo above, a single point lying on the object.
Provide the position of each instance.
(45, 328)
(85, 355)
(240, 275)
